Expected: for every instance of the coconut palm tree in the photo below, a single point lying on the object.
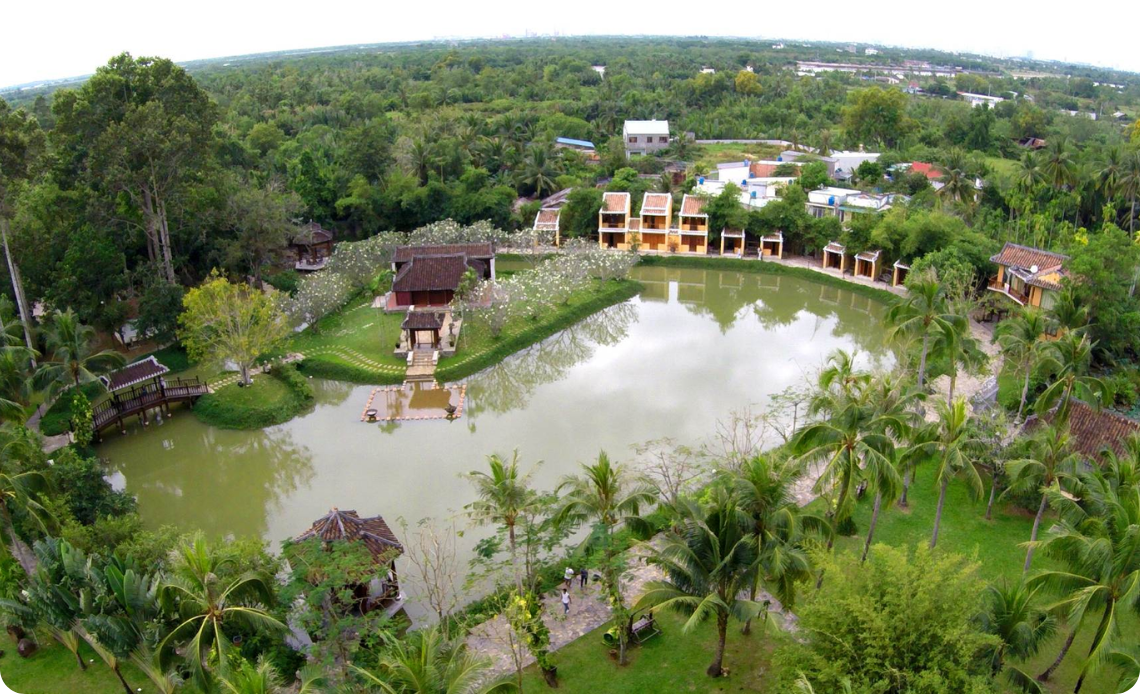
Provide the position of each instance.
(427, 663)
(1057, 166)
(1067, 313)
(1051, 460)
(1020, 337)
(763, 488)
(15, 382)
(707, 567)
(1021, 627)
(609, 495)
(1097, 540)
(505, 498)
(958, 345)
(1129, 186)
(207, 604)
(539, 169)
(263, 678)
(951, 444)
(1068, 358)
(21, 491)
(73, 360)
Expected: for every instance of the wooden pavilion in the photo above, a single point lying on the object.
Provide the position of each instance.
(313, 246)
(732, 242)
(138, 388)
(835, 257)
(899, 273)
(383, 591)
(772, 245)
(867, 264)
(423, 329)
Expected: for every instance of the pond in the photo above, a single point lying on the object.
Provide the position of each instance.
(673, 361)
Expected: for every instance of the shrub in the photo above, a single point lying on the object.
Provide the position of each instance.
(57, 419)
(88, 495)
(272, 399)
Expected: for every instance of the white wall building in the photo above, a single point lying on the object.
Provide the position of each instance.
(645, 136)
(981, 99)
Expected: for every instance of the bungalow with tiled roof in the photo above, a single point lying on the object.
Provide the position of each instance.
(692, 232)
(656, 216)
(614, 221)
(546, 222)
(383, 590)
(1092, 431)
(430, 275)
(1029, 276)
(732, 242)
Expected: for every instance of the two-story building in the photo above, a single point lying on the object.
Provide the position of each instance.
(656, 218)
(614, 223)
(645, 136)
(692, 232)
(1029, 276)
(847, 202)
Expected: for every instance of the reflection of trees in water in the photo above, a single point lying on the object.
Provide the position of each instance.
(332, 392)
(776, 300)
(509, 384)
(219, 487)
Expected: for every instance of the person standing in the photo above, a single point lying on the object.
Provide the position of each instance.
(565, 601)
(568, 576)
(584, 578)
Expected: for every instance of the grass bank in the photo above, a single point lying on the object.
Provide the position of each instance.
(273, 398)
(765, 267)
(354, 344)
(478, 349)
(52, 669)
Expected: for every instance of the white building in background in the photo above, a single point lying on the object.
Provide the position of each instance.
(708, 71)
(847, 202)
(645, 136)
(981, 99)
(871, 51)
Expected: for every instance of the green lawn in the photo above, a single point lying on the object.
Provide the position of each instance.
(668, 662)
(1003, 168)
(353, 344)
(53, 670)
(709, 156)
(268, 400)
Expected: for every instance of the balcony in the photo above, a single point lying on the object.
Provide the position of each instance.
(1005, 288)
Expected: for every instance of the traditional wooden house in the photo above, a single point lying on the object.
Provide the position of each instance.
(692, 232)
(1029, 276)
(656, 215)
(732, 242)
(614, 221)
(1092, 431)
(546, 223)
(312, 246)
(867, 264)
(423, 329)
(772, 245)
(383, 590)
(899, 272)
(835, 257)
(429, 275)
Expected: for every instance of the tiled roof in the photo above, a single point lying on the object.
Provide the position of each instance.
(471, 250)
(692, 205)
(1093, 430)
(778, 236)
(312, 235)
(925, 169)
(347, 525)
(615, 202)
(138, 372)
(547, 219)
(835, 247)
(732, 233)
(869, 256)
(1049, 265)
(430, 273)
(422, 320)
(656, 203)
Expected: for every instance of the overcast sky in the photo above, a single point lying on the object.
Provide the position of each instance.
(40, 41)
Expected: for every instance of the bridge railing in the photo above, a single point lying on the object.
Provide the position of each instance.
(145, 396)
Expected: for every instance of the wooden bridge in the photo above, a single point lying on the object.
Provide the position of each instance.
(137, 400)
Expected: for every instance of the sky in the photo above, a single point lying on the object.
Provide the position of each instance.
(66, 38)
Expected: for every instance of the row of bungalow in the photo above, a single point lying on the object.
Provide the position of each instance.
(654, 230)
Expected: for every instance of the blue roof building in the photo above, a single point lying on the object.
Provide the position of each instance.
(571, 142)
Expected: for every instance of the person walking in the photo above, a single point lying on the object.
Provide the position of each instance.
(584, 578)
(565, 601)
(568, 576)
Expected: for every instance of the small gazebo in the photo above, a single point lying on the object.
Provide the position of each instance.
(772, 245)
(835, 257)
(383, 591)
(422, 329)
(732, 242)
(898, 276)
(867, 264)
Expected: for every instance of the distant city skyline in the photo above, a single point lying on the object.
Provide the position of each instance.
(78, 37)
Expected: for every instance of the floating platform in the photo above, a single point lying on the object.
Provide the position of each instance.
(414, 401)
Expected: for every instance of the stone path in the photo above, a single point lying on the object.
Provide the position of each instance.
(233, 377)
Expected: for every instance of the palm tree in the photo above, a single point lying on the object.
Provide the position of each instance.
(1057, 167)
(1020, 338)
(951, 444)
(609, 495)
(1051, 460)
(1022, 628)
(893, 397)
(21, 490)
(72, 360)
(505, 498)
(15, 382)
(539, 169)
(1129, 186)
(427, 663)
(1067, 313)
(1068, 358)
(1097, 540)
(263, 678)
(763, 488)
(707, 567)
(958, 345)
(207, 603)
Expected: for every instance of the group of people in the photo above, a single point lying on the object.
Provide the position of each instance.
(568, 575)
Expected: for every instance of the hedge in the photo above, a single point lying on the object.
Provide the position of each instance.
(456, 368)
(232, 407)
(324, 367)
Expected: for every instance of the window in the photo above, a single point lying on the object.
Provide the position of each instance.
(662, 139)
(633, 139)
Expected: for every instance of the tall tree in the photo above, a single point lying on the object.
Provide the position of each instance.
(73, 357)
(1051, 460)
(505, 498)
(1069, 359)
(22, 145)
(952, 445)
(263, 222)
(1020, 337)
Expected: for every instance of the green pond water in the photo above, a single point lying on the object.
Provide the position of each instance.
(694, 346)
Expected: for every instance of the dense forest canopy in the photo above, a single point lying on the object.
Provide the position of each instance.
(147, 176)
